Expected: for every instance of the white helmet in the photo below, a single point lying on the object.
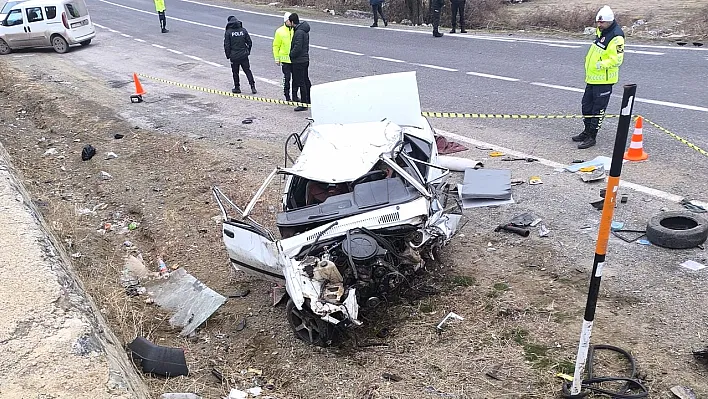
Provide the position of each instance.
(605, 15)
(286, 16)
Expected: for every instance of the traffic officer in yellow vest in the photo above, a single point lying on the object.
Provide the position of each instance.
(160, 7)
(281, 52)
(602, 65)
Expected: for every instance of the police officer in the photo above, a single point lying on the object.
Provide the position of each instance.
(458, 6)
(160, 8)
(602, 64)
(436, 6)
(237, 47)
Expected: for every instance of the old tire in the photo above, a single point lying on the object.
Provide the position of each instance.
(309, 327)
(59, 44)
(4, 48)
(677, 230)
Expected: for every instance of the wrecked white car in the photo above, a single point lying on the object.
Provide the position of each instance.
(364, 205)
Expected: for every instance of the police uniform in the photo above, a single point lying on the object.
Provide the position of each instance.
(602, 64)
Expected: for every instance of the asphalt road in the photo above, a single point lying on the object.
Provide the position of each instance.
(477, 73)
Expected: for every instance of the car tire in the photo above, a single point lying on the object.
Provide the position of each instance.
(677, 230)
(308, 327)
(59, 44)
(86, 42)
(4, 48)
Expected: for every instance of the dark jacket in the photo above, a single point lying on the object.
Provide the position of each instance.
(376, 2)
(237, 43)
(300, 46)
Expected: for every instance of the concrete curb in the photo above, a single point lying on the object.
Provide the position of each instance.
(54, 342)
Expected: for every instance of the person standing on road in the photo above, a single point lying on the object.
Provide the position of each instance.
(300, 58)
(160, 7)
(602, 64)
(237, 47)
(436, 7)
(281, 52)
(458, 6)
(377, 9)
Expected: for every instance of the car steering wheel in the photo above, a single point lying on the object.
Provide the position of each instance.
(370, 176)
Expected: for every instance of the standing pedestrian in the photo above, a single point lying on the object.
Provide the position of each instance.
(458, 6)
(300, 58)
(281, 52)
(436, 6)
(377, 9)
(160, 7)
(602, 64)
(237, 47)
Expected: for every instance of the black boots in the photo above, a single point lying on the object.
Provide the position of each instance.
(236, 90)
(437, 34)
(165, 30)
(452, 30)
(589, 140)
(580, 137)
(253, 88)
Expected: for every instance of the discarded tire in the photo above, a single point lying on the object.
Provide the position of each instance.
(677, 230)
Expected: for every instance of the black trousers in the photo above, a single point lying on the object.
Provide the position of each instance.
(163, 20)
(378, 10)
(287, 75)
(458, 6)
(301, 80)
(436, 7)
(244, 64)
(595, 100)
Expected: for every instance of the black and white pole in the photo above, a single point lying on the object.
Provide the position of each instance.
(603, 234)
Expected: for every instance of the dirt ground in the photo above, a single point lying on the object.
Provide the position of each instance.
(521, 299)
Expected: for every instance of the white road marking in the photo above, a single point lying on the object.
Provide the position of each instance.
(194, 57)
(575, 89)
(113, 30)
(345, 52)
(125, 35)
(643, 52)
(486, 75)
(100, 26)
(388, 59)
(174, 51)
(158, 46)
(436, 67)
(214, 64)
(319, 47)
(561, 45)
(670, 104)
(139, 40)
(556, 165)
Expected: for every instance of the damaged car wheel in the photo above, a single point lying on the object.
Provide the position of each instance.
(308, 327)
(677, 230)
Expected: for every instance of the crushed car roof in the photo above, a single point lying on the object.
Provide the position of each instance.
(337, 153)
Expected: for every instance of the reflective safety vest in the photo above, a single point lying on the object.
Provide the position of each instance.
(608, 51)
(160, 5)
(281, 44)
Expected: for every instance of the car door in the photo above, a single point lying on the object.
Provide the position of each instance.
(14, 29)
(251, 248)
(36, 27)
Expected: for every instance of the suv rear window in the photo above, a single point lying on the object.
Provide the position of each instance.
(51, 12)
(75, 9)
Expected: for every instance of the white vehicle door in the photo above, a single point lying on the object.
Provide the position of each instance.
(36, 26)
(14, 29)
(77, 19)
(251, 248)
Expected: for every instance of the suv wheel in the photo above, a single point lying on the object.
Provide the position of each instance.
(4, 48)
(60, 45)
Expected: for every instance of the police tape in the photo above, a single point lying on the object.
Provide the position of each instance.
(225, 93)
(426, 113)
(678, 138)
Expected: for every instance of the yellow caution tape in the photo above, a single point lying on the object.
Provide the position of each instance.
(565, 376)
(496, 154)
(425, 113)
(679, 138)
(225, 93)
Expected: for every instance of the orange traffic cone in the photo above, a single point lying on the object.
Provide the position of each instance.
(138, 96)
(636, 147)
(138, 87)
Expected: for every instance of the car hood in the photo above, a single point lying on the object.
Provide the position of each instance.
(340, 153)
